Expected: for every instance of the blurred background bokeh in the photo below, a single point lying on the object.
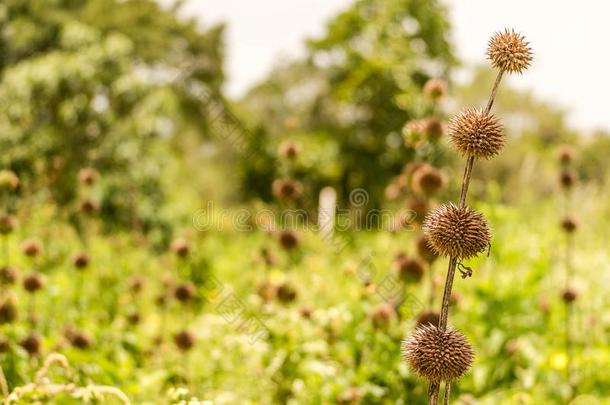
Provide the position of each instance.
(138, 133)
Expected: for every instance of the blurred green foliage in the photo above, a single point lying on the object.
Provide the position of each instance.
(348, 99)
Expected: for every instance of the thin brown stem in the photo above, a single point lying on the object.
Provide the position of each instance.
(433, 391)
(447, 393)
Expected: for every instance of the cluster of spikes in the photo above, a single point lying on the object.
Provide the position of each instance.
(433, 351)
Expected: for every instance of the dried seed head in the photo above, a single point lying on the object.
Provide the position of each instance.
(133, 317)
(427, 180)
(433, 129)
(427, 318)
(288, 239)
(435, 89)
(184, 340)
(410, 269)
(424, 249)
(438, 355)
(8, 309)
(266, 291)
(382, 314)
(135, 284)
(88, 176)
(474, 133)
(286, 293)
(5, 344)
(79, 339)
(88, 206)
(567, 178)
(8, 275)
(181, 247)
(8, 223)
(8, 180)
(569, 295)
(81, 260)
(287, 189)
(509, 52)
(31, 248)
(306, 311)
(565, 154)
(33, 282)
(569, 224)
(185, 292)
(289, 150)
(31, 344)
(457, 232)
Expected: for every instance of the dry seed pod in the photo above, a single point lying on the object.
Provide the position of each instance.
(31, 248)
(427, 180)
(569, 224)
(288, 240)
(569, 295)
(410, 270)
(8, 275)
(287, 189)
(33, 282)
(88, 176)
(8, 309)
(286, 293)
(508, 51)
(567, 178)
(184, 340)
(31, 344)
(181, 247)
(435, 89)
(88, 206)
(433, 129)
(185, 292)
(289, 150)
(457, 232)
(474, 133)
(80, 261)
(438, 355)
(7, 224)
(382, 315)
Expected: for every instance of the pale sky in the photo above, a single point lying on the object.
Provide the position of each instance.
(568, 38)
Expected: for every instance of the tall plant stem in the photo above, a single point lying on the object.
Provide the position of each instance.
(433, 391)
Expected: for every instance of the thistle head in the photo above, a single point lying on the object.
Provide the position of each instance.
(474, 133)
(569, 224)
(433, 128)
(509, 52)
(184, 340)
(34, 282)
(185, 292)
(438, 355)
(286, 293)
(424, 249)
(457, 231)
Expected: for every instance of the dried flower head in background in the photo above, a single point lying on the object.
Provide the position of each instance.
(382, 314)
(427, 180)
(565, 154)
(88, 206)
(410, 269)
(457, 232)
(8, 309)
(88, 176)
(433, 128)
(567, 178)
(184, 340)
(31, 248)
(288, 239)
(81, 260)
(185, 292)
(569, 224)
(287, 189)
(289, 150)
(435, 89)
(474, 133)
(8, 275)
(286, 293)
(181, 247)
(509, 52)
(438, 355)
(424, 250)
(8, 180)
(31, 344)
(569, 295)
(33, 282)
(8, 223)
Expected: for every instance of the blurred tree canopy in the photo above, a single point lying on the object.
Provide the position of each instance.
(348, 99)
(90, 83)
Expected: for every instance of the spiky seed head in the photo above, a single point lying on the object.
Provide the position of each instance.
(474, 133)
(288, 239)
(135, 284)
(88, 176)
(508, 51)
(306, 311)
(382, 315)
(457, 231)
(8, 309)
(287, 189)
(31, 344)
(433, 129)
(33, 282)
(427, 180)
(565, 154)
(8, 275)
(185, 292)
(81, 260)
(8, 223)
(424, 250)
(79, 339)
(438, 355)
(289, 150)
(435, 89)
(184, 340)
(286, 293)
(8, 180)
(410, 269)
(31, 247)
(567, 178)
(569, 295)
(133, 317)
(181, 247)
(427, 318)
(569, 224)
